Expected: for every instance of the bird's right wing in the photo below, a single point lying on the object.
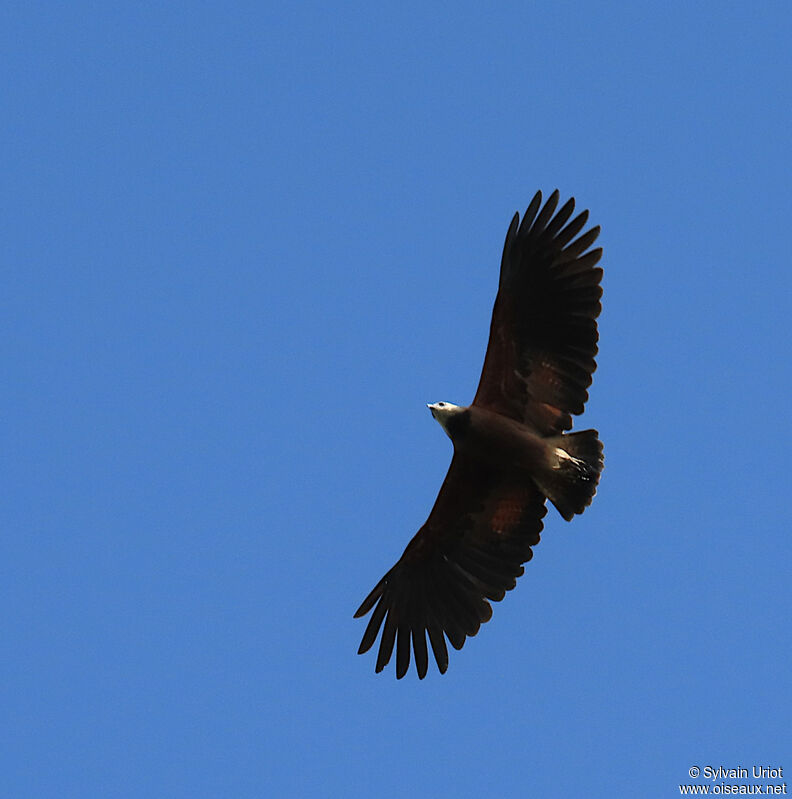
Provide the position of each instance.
(471, 549)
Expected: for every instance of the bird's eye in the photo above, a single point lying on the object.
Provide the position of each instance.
(441, 404)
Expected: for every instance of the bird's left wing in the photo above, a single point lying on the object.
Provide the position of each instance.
(471, 549)
(543, 336)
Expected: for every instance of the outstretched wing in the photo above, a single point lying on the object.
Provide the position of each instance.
(543, 336)
(471, 549)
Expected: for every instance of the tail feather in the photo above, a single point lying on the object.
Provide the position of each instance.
(577, 462)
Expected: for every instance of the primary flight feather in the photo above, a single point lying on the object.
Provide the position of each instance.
(511, 451)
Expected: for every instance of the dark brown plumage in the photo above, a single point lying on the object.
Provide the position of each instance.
(510, 449)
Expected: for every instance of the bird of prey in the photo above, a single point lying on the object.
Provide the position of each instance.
(511, 451)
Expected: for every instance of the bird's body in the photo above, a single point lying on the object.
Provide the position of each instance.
(492, 437)
(511, 448)
(496, 439)
(503, 443)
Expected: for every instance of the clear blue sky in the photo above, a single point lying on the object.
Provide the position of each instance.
(243, 245)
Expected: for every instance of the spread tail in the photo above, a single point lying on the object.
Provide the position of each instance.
(576, 464)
